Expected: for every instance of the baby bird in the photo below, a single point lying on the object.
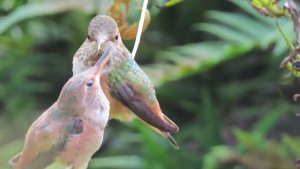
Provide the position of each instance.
(69, 132)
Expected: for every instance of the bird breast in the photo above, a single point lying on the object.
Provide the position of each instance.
(98, 110)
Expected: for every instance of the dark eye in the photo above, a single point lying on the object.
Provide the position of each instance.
(116, 37)
(90, 83)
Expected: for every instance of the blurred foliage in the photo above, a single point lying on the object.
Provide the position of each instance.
(269, 8)
(215, 65)
(237, 38)
(254, 152)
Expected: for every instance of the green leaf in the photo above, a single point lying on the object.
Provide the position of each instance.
(172, 3)
(264, 125)
(49, 7)
(223, 32)
(246, 6)
(269, 8)
(240, 22)
(217, 155)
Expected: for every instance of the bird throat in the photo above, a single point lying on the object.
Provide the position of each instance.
(85, 57)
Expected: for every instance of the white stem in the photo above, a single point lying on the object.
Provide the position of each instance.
(140, 28)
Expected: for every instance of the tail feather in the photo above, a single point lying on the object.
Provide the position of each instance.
(172, 123)
(166, 135)
(171, 139)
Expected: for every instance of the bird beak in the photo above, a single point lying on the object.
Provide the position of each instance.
(103, 59)
(100, 42)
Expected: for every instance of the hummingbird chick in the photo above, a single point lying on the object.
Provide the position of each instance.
(71, 130)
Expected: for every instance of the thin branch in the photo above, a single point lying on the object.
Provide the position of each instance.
(292, 57)
(140, 28)
(287, 41)
(291, 6)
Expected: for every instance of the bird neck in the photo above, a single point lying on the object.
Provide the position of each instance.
(85, 57)
(120, 57)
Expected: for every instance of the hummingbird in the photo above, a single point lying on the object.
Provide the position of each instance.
(127, 87)
(70, 131)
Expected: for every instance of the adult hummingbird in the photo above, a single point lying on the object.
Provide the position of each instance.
(69, 132)
(125, 84)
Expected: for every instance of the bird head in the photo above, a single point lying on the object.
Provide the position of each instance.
(83, 91)
(102, 29)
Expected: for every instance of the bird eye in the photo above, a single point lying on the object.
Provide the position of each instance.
(90, 83)
(116, 37)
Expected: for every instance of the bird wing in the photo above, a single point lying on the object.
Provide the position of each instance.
(130, 85)
(14, 161)
(45, 139)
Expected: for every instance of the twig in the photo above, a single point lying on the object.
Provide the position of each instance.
(140, 28)
(287, 41)
(292, 8)
(292, 57)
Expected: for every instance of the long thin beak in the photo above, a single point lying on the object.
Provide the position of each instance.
(100, 42)
(103, 59)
